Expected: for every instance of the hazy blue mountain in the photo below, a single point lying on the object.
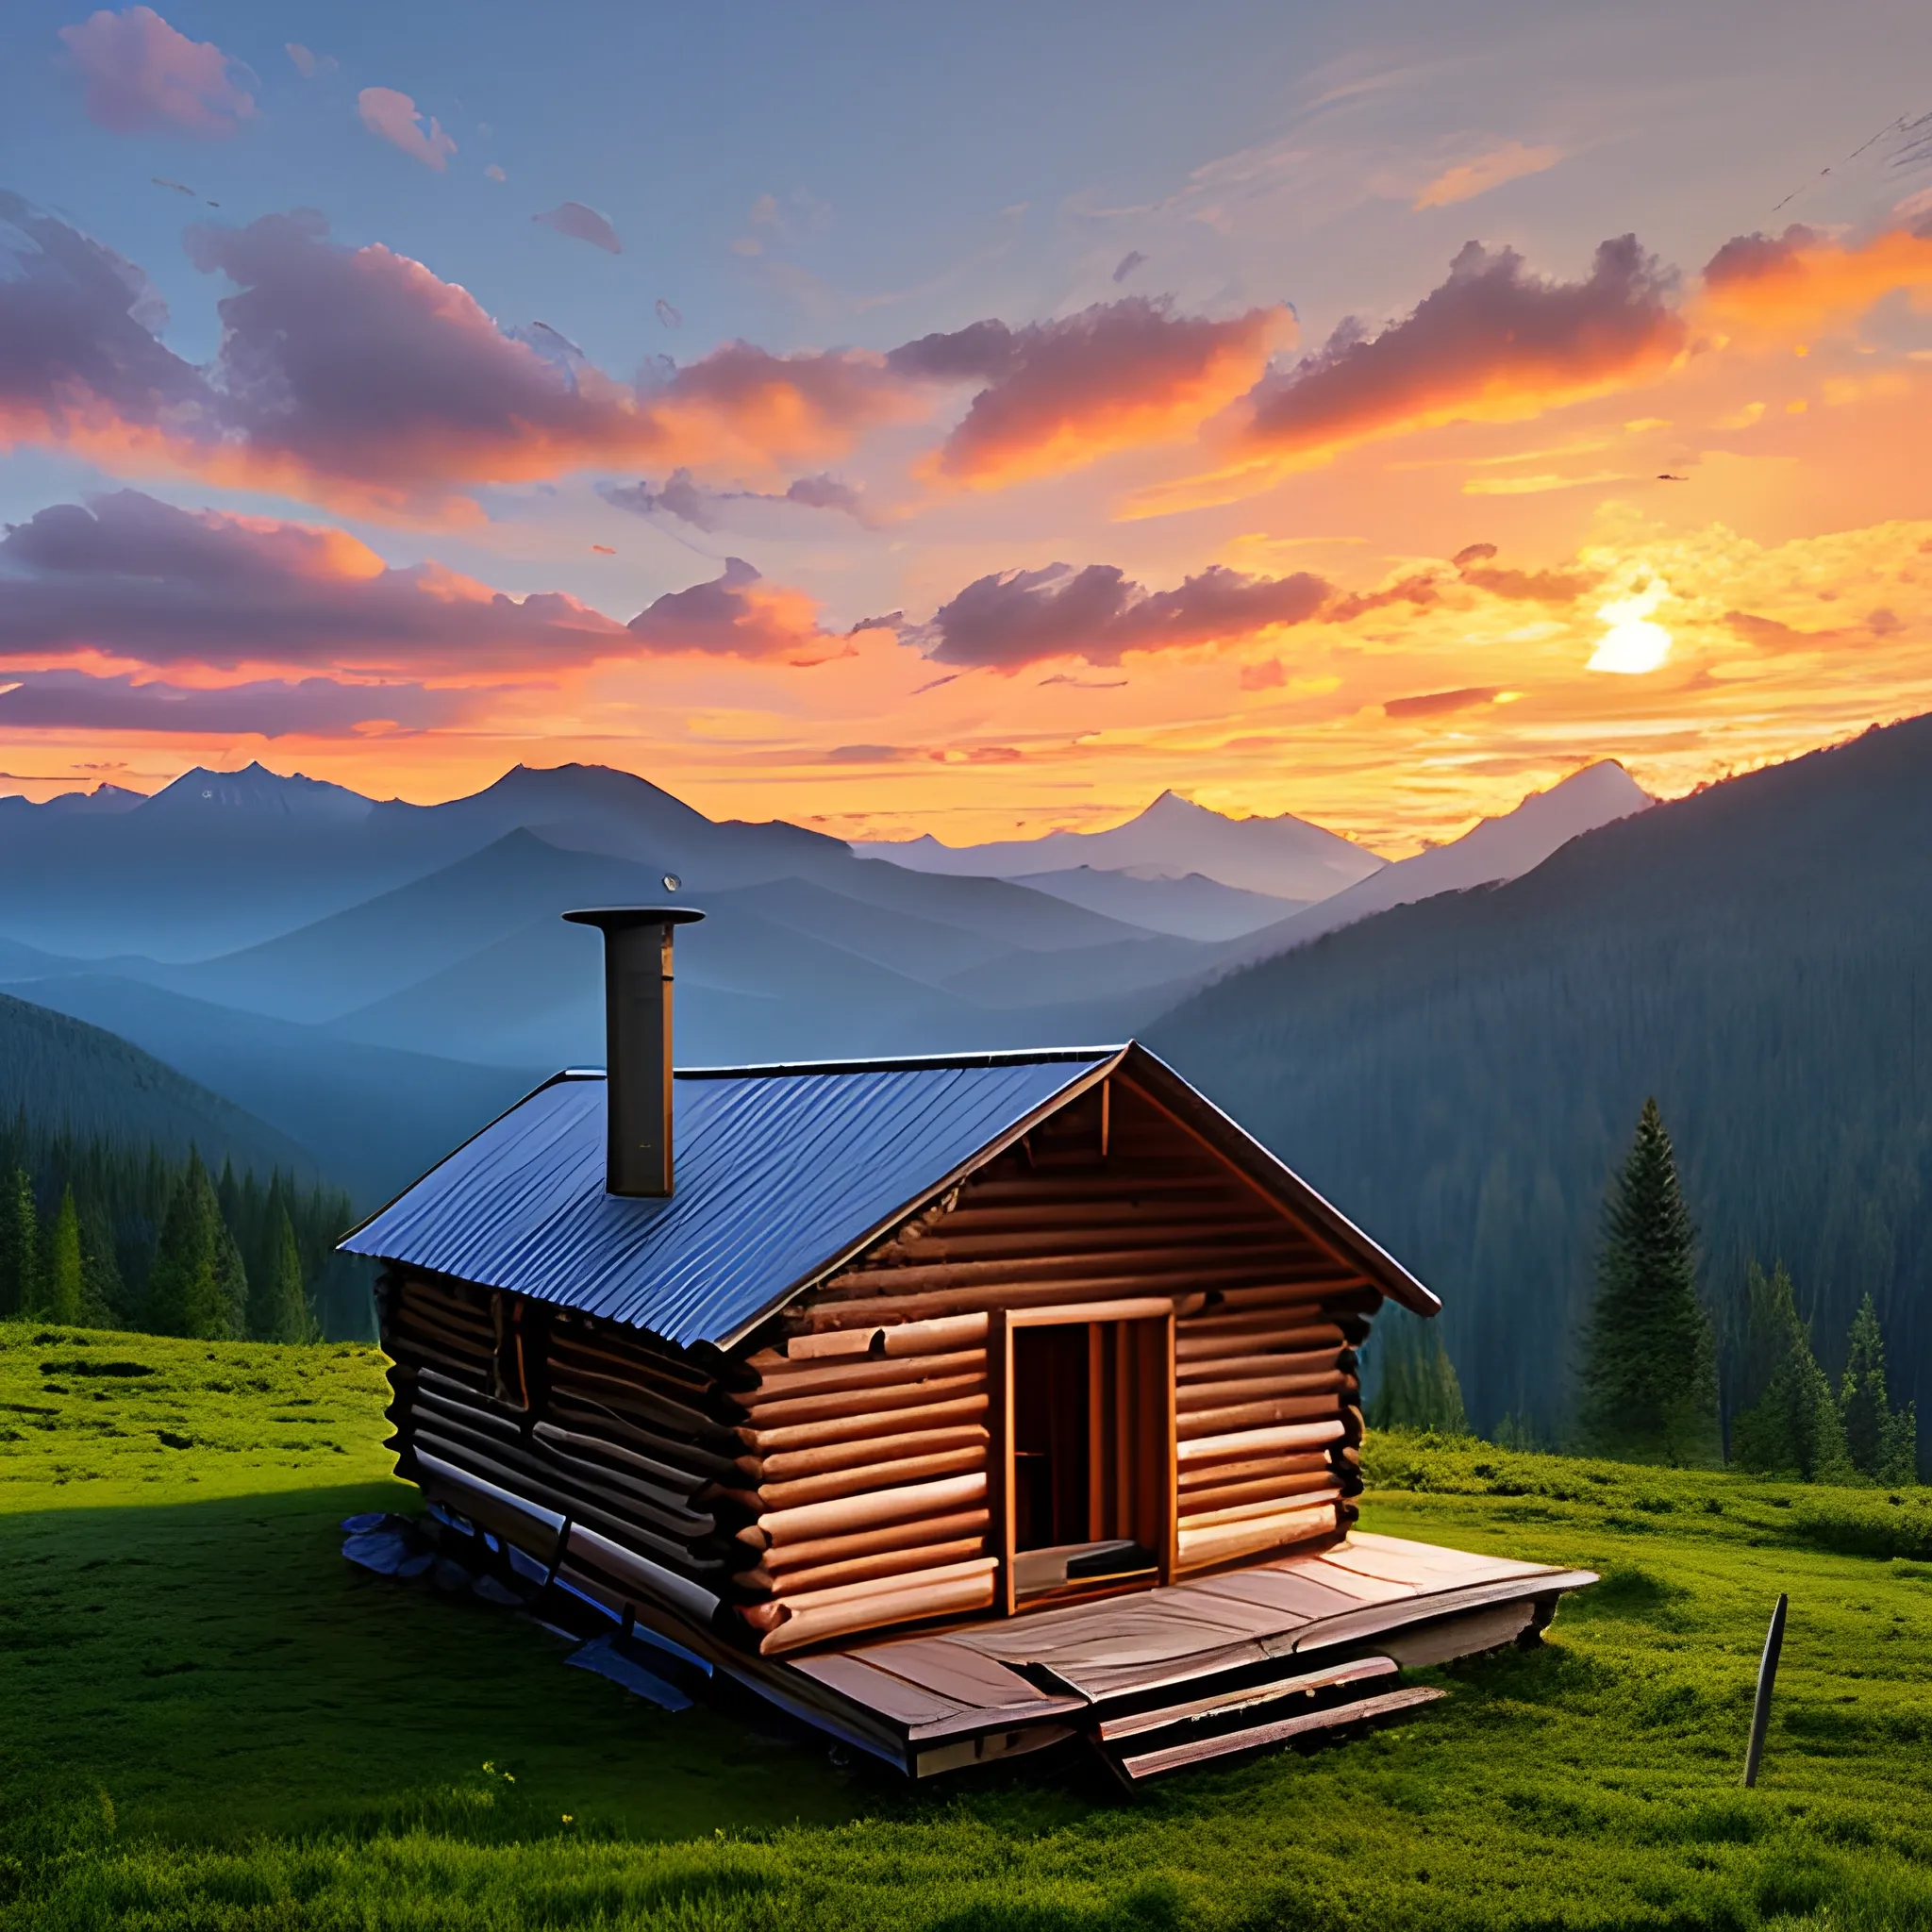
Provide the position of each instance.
(368, 1118)
(1191, 908)
(1504, 847)
(1285, 858)
(64, 1075)
(1463, 1074)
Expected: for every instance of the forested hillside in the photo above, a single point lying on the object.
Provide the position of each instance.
(1463, 1076)
(68, 1078)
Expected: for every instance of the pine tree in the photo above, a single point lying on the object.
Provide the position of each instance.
(1882, 1443)
(1793, 1426)
(197, 1286)
(278, 1308)
(1650, 1369)
(102, 1297)
(66, 1290)
(1418, 1388)
(20, 1245)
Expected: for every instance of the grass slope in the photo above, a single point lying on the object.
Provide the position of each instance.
(212, 1722)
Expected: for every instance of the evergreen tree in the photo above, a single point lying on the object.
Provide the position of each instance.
(1793, 1426)
(20, 1245)
(1881, 1441)
(278, 1307)
(1650, 1369)
(102, 1295)
(197, 1286)
(1418, 1388)
(66, 1290)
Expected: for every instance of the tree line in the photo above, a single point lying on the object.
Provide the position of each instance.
(97, 1233)
(1659, 1380)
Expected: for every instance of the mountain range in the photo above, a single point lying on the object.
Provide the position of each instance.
(374, 978)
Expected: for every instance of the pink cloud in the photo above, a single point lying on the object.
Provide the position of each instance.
(134, 579)
(739, 615)
(1016, 617)
(396, 118)
(142, 77)
(1059, 394)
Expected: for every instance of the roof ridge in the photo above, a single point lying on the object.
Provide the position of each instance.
(888, 1063)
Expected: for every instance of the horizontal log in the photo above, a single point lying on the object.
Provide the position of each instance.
(599, 1477)
(1197, 1398)
(928, 1415)
(1249, 1364)
(935, 1577)
(1183, 1291)
(1299, 1462)
(639, 1571)
(568, 1406)
(865, 1402)
(975, 1592)
(554, 1491)
(427, 1338)
(900, 1338)
(1189, 1346)
(911, 1534)
(786, 1584)
(1126, 1212)
(677, 1418)
(867, 1478)
(1130, 1264)
(1338, 1283)
(787, 1465)
(1224, 1542)
(1256, 1511)
(1254, 1415)
(532, 1527)
(1239, 1442)
(679, 1484)
(1053, 1240)
(690, 1386)
(1288, 1305)
(785, 1383)
(1277, 1488)
(876, 1507)
(445, 1309)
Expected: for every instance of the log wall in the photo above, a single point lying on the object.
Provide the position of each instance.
(839, 1475)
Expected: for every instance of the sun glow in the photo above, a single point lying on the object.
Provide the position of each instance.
(1633, 644)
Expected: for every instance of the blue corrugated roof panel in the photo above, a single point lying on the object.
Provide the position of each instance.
(780, 1171)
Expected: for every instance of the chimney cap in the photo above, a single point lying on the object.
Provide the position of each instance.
(622, 918)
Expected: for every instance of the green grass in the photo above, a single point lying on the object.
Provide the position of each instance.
(208, 1720)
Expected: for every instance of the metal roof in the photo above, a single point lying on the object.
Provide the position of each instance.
(782, 1172)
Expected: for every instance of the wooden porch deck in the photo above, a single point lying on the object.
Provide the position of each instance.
(1162, 1678)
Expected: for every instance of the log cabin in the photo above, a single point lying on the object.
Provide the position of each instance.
(959, 1405)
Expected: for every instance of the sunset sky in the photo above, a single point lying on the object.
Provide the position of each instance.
(971, 421)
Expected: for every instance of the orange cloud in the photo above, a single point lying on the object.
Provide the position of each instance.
(1467, 179)
(740, 615)
(1800, 281)
(1061, 394)
(1492, 343)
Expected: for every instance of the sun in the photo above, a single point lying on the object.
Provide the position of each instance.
(1633, 644)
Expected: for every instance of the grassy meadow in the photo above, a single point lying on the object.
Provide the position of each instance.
(208, 1720)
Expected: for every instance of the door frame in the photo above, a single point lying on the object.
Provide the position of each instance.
(1001, 1324)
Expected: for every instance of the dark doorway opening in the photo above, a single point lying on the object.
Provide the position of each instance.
(1052, 1408)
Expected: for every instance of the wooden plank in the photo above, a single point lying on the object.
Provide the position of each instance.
(787, 1384)
(790, 1583)
(891, 1698)
(1273, 1503)
(785, 1465)
(877, 1612)
(932, 1415)
(1376, 1620)
(1224, 1542)
(1398, 1566)
(943, 1667)
(868, 1477)
(1257, 1737)
(1338, 1577)
(1294, 1598)
(1150, 1627)
(916, 1530)
(1364, 1670)
(1191, 1345)
(867, 1402)
(1286, 1436)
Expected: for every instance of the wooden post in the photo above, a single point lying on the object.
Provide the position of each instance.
(1767, 1677)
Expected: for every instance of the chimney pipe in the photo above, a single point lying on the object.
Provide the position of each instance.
(637, 1044)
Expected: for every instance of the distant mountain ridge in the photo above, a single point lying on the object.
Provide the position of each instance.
(1285, 858)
